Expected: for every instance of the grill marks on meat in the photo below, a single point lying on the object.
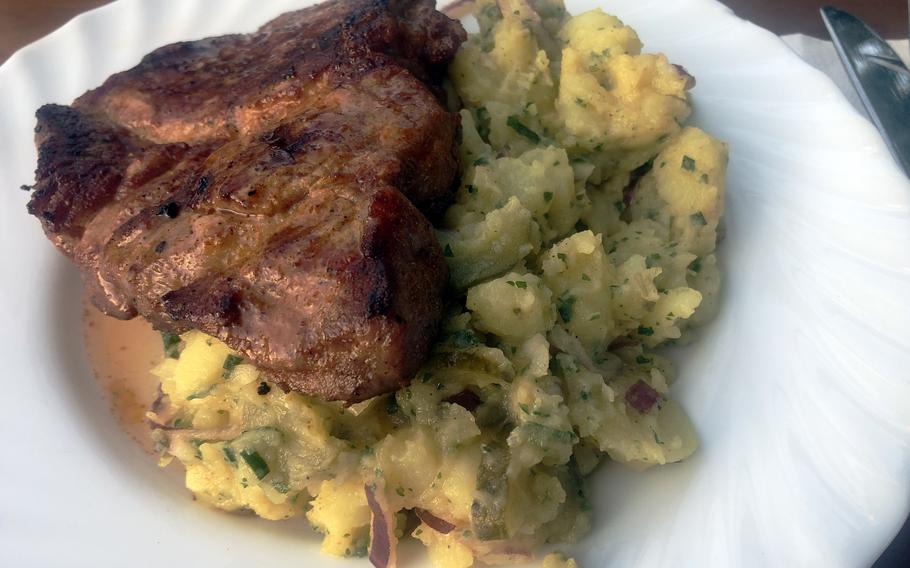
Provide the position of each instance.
(270, 190)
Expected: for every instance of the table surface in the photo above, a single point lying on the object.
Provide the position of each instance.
(24, 21)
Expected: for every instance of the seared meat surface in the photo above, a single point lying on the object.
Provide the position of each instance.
(270, 190)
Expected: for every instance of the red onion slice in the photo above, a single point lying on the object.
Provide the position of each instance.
(383, 542)
(641, 396)
(434, 522)
(466, 399)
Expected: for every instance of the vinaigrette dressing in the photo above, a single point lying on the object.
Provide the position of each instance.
(121, 355)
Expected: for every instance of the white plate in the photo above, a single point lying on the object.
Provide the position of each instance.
(800, 390)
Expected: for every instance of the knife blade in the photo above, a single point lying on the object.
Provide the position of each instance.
(880, 77)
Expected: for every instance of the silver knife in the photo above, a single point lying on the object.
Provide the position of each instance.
(880, 77)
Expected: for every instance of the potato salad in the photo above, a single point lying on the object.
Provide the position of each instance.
(581, 240)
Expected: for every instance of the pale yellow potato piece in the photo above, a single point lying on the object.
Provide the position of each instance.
(200, 366)
(492, 246)
(514, 306)
(341, 512)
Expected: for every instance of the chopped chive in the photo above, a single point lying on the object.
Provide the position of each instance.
(447, 251)
(182, 422)
(521, 284)
(585, 277)
(547, 196)
(642, 360)
(688, 164)
(698, 218)
(646, 331)
(200, 394)
(481, 161)
(515, 124)
(256, 463)
(695, 265)
(229, 454)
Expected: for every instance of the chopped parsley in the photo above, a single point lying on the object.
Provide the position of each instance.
(483, 123)
(565, 307)
(447, 251)
(695, 266)
(585, 277)
(230, 362)
(642, 360)
(548, 196)
(464, 338)
(391, 405)
(646, 331)
(171, 344)
(514, 122)
(652, 259)
(698, 218)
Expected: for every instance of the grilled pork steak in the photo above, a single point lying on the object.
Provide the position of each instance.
(270, 190)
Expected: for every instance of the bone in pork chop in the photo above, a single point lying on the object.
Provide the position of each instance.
(270, 190)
